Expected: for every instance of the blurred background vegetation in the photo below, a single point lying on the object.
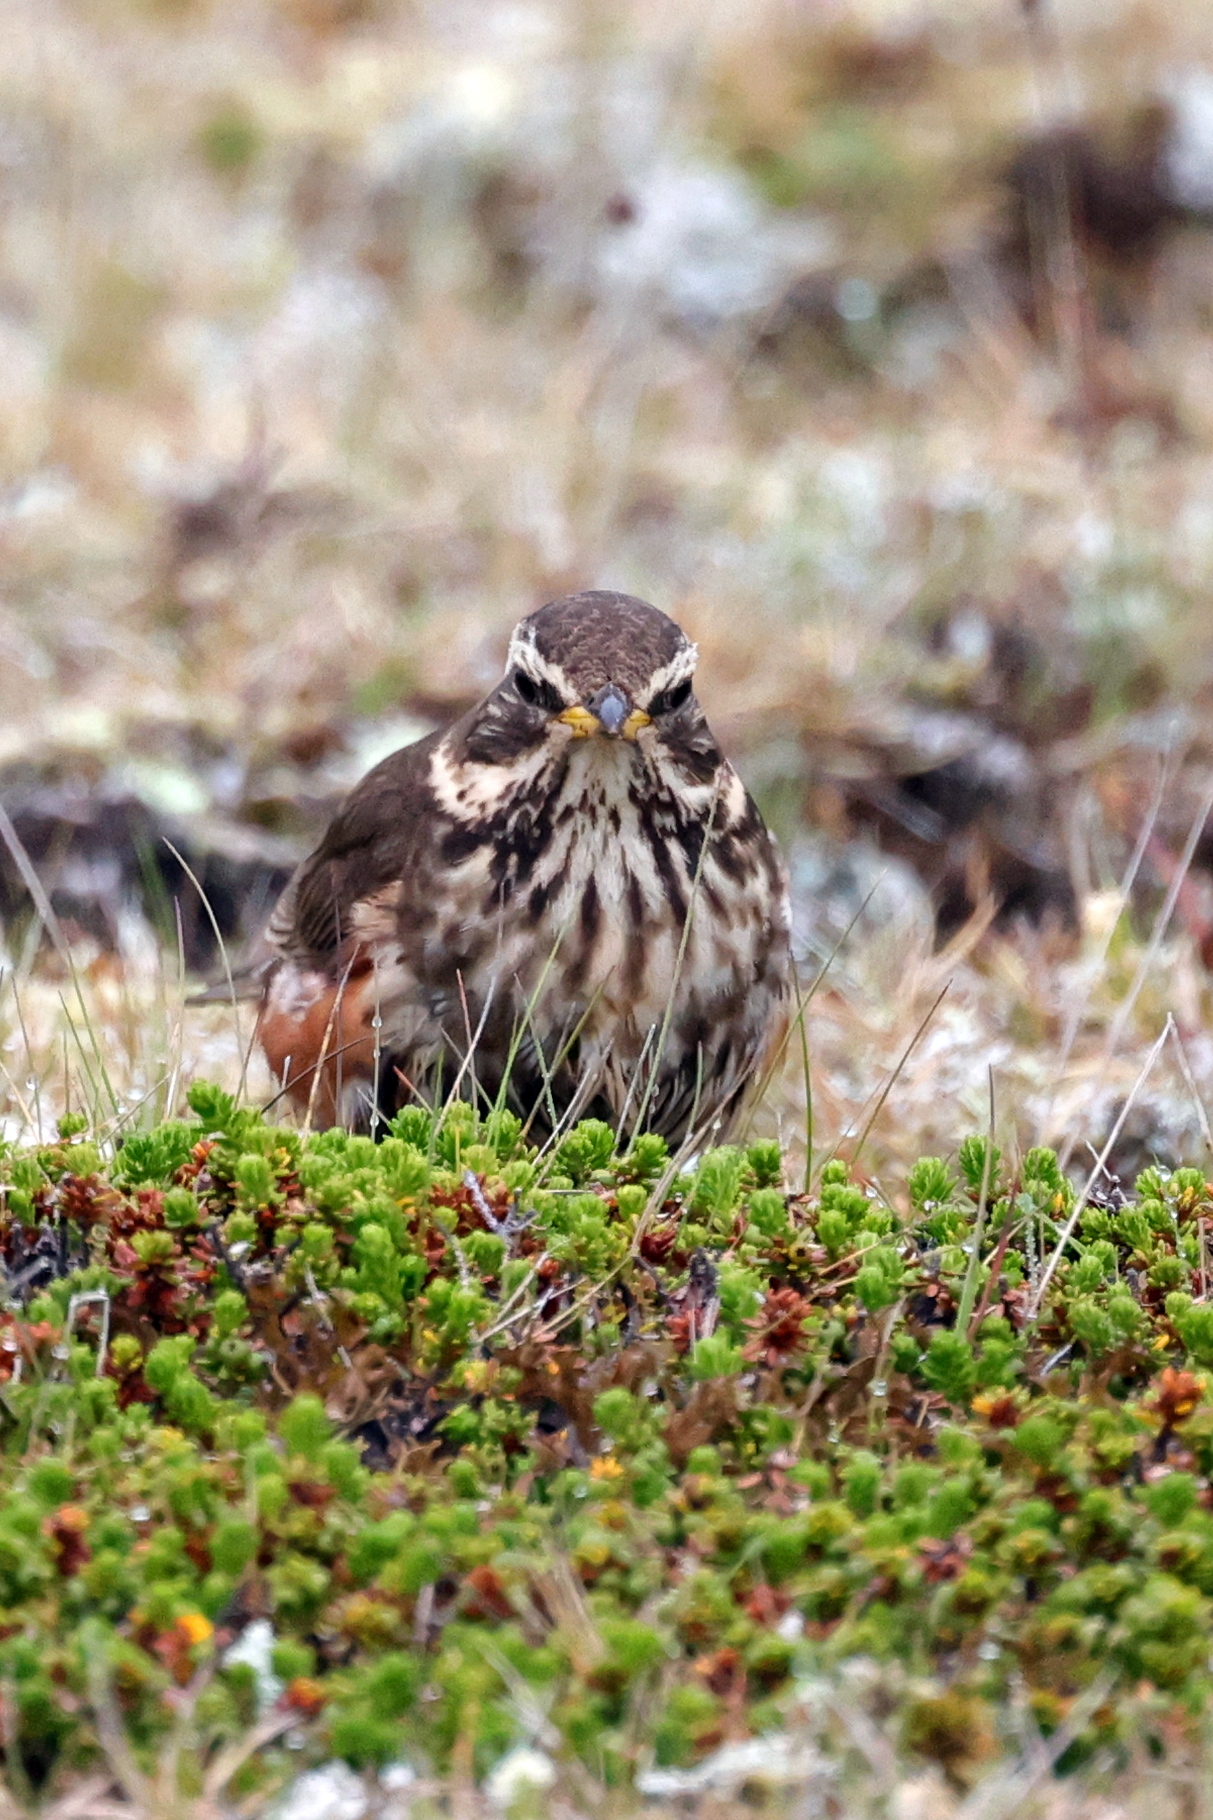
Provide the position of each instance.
(873, 339)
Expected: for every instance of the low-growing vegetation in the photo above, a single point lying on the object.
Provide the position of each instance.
(587, 1449)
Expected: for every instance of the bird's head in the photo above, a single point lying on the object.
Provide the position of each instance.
(596, 666)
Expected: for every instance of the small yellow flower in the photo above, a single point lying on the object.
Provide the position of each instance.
(195, 1627)
(606, 1467)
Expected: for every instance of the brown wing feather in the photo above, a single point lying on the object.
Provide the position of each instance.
(384, 827)
(316, 1024)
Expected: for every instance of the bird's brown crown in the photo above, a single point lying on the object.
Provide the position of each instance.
(600, 637)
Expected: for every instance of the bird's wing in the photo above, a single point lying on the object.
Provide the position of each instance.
(380, 838)
(247, 983)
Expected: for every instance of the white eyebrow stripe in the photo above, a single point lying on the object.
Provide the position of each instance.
(522, 655)
(522, 641)
(676, 671)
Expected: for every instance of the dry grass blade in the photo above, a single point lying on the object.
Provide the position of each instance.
(889, 1085)
(679, 963)
(797, 1022)
(968, 1293)
(1097, 1169)
(1081, 1003)
(327, 1053)
(236, 1755)
(1198, 1104)
(1149, 956)
(33, 884)
(98, 1059)
(53, 927)
(1000, 1796)
(1058, 273)
(111, 1735)
(228, 975)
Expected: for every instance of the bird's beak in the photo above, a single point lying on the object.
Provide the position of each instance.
(608, 712)
(582, 722)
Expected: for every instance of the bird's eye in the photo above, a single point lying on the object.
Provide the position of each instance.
(537, 694)
(670, 700)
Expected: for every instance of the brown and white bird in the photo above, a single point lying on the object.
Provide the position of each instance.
(567, 899)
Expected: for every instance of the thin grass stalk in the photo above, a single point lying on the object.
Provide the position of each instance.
(1124, 1010)
(585, 1086)
(111, 1734)
(637, 1075)
(294, 1080)
(377, 1059)
(222, 945)
(1067, 1231)
(1198, 1104)
(1000, 1797)
(1059, 270)
(1161, 922)
(26, 1110)
(518, 1035)
(656, 1199)
(114, 1125)
(968, 1292)
(1079, 1008)
(98, 1047)
(33, 1081)
(236, 1755)
(808, 1103)
(33, 884)
(318, 1066)
(804, 1000)
(178, 1063)
(889, 1085)
(94, 1089)
(466, 1065)
(679, 960)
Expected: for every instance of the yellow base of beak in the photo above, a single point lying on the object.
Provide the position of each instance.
(581, 721)
(584, 724)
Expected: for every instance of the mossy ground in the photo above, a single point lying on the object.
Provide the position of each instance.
(590, 1450)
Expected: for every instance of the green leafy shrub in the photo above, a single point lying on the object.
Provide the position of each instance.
(354, 1385)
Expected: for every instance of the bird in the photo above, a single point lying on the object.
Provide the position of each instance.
(565, 904)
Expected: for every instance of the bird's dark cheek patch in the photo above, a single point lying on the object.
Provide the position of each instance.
(505, 737)
(461, 842)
